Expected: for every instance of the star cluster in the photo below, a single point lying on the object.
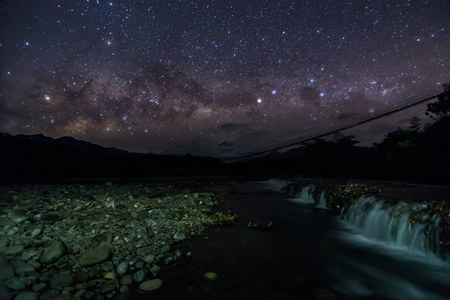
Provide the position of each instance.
(217, 78)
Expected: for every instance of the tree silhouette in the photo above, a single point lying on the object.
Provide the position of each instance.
(441, 107)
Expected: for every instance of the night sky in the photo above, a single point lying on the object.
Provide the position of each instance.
(218, 78)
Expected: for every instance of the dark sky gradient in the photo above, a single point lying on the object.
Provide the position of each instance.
(217, 78)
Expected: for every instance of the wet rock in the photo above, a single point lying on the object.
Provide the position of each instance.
(179, 236)
(27, 296)
(15, 284)
(150, 285)
(53, 253)
(122, 268)
(62, 280)
(126, 280)
(21, 267)
(139, 265)
(39, 287)
(95, 256)
(109, 286)
(139, 276)
(18, 215)
(81, 276)
(149, 232)
(210, 275)
(36, 232)
(13, 250)
(6, 222)
(149, 259)
(110, 275)
(6, 271)
(155, 270)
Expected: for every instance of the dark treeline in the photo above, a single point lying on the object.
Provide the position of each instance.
(419, 153)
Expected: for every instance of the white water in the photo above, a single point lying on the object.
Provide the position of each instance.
(306, 195)
(375, 253)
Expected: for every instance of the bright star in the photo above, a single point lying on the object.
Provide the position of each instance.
(274, 92)
(259, 100)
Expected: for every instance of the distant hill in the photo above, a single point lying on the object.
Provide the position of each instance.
(30, 158)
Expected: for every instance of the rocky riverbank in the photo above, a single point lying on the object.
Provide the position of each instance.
(81, 241)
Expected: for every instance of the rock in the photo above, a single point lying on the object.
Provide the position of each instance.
(122, 268)
(4, 293)
(149, 259)
(139, 265)
(149, 232)
(143, 250)
(61, 280)
(109, 184)
(81, 276)
(27, 296)
(126, 280)
(179, 236)
(6, 271)
(155, 270)
(210, 275)
(36, 232)
(13, 250)
(150, 285)
(53, 253)
(139, 276)
(21, 267)
(95, 256)
(6, 223)
(110, 275)
(39, 286)
(15, 284)
(18, 215)
(109, 286)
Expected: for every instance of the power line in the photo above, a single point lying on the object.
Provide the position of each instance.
(417, 99)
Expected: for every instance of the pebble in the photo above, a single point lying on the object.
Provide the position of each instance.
(95, 256)
(122, 268)
(6, 271)
(64, 242)
(53, 253)
(139, 276)
(18, 215)
(150, 285)
(149, 259)
(62, 280)
(126, 280)
(27, 296)
(210, 275)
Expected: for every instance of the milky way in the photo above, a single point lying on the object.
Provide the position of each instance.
(217, 78)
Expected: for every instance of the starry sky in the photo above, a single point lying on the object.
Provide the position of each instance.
(218, 78)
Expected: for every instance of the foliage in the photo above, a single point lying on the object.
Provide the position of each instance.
(441, 107)
(336, 149)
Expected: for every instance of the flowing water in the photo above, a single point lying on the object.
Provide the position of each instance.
(308, 253)
(378, 254)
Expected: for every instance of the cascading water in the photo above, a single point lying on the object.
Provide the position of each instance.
(380, 222)
(391, 224)
(305, 196)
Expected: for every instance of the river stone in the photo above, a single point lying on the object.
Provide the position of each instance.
(150, 285)
(149, 259)
(61, 280)
(53, 253)
(39, 286)
(155, 270)
(126, 280)
(109, 286)
(6, 271)
(15, 284)
(81, 276)
(36, 232)
(6, 222)
(179, 236)
(210, 275)
(27, 296)
(139, 276)
(95, 256)
(12, 250)
(122, 268)
(18, 215)
(21, 267)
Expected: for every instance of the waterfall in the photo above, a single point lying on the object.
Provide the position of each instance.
(390, 224)
(322, 201)
(306, 195)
